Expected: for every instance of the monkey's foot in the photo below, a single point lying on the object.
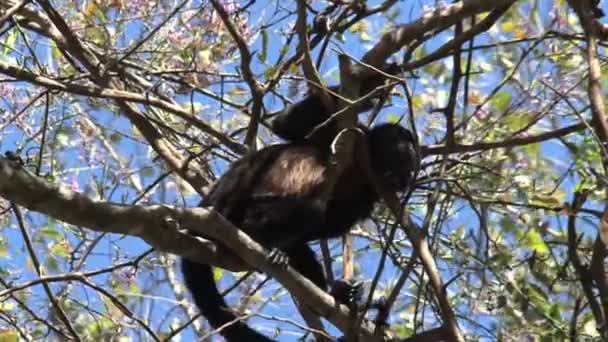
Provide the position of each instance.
(278, 258)
(349, 292)
(382, 313)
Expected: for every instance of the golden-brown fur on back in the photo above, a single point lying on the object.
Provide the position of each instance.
(297, 171)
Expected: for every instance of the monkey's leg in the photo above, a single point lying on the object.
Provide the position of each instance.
(303, 259)
(277, 221)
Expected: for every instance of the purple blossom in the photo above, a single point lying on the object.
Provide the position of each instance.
(74, 183)
(6, 89)
(481, 113)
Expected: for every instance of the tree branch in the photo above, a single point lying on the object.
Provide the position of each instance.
(392, 42)
(160, 227)
(460, 148)
(582, 271)
(67, 41)
(151, 223)
(460, 39)
(257, 92)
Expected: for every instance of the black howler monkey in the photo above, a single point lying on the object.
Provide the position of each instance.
(273, 195)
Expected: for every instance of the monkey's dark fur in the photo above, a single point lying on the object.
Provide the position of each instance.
(273, 195)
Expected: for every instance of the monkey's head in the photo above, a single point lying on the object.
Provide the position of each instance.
(393, 155)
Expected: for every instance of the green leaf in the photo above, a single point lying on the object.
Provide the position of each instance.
(402, 330)
(61, 249)
(50, 232)
(9, 336)
(52, 264)
(535, 294)
(3, 247)
(217, 273)
(533, 240)
(62, 139)
(555, 312)
(508, 26)
(524, 181)
(546, 200)
(9, 42)
(270, 71)
(115, 137)
(508, 224)
(532, 149)
(419, 52)
(264, 53)
(435, 69)
(100, 326)
(147, 172)
(501, 100)
(5, 307)
(515, 121)
(392, 118)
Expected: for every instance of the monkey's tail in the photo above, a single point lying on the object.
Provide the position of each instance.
(199, 279)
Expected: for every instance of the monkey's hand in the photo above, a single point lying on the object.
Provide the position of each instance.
(348, 292)
(278, 258)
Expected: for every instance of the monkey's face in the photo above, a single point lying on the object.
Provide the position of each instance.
(393, 155)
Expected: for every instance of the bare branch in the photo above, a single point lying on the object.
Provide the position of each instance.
(12, 10)
(158, 225)
(63, 317)
(153, 223)
(257, 92)
(460, 148)
(310, 70)
(582, 271)
(460, 39)
(392, 42)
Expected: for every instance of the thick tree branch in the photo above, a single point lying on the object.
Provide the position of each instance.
(460, 39)
(158, 225)
(433, 335)
(154, 224)
(12, 10)
(598, 273)
(392, 42)
(583, 10)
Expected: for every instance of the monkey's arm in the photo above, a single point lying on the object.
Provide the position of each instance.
(298, 120)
